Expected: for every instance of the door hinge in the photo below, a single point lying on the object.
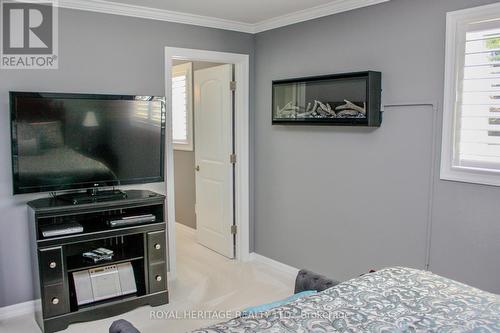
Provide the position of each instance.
(232, 158)
(234, 229)
(232, 85)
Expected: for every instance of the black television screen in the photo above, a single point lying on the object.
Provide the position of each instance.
(70, 141)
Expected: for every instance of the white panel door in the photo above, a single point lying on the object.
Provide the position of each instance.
(213, 147)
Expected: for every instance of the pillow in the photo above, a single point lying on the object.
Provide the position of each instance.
(27, 147)
(122, 326)
(49, 134)
(27, 140)
(25, 131)
(266, 307)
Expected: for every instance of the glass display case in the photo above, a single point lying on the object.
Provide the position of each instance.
(342, 99)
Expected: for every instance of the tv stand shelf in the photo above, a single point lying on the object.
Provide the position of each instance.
(77, 263)
(55, 259)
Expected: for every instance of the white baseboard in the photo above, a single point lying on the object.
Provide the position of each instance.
(16, 310)
(284, 268)
(185, 229)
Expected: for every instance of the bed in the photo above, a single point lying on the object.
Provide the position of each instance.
(61, 165)
(396, 299)
(46, 158)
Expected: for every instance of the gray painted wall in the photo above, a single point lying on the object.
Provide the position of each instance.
(98, 53)
(185, 189)
(344, 200)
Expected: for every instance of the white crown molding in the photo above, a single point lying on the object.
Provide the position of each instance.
(334, 7)
(109, 7)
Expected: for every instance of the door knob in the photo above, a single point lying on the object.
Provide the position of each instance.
(197, 168)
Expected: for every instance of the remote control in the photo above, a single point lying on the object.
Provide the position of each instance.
(103, 251)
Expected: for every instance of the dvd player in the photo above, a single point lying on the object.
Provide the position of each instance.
(61, 229)
(132, 220)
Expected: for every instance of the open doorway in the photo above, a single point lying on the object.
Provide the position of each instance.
(203, 137)
(207, 150)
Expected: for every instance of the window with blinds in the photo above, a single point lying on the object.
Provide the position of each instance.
(182, 132)
(478, 141)
(179, 107)
(147, 112)
(471, 123)
(471, 117)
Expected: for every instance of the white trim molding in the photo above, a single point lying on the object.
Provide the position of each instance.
(185, 229)
(284, 268)
(456, 28)
(334, 7)
(19, 309)
(242, 144)
(115, 8)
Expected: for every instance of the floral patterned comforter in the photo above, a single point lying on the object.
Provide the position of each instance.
(391, 300)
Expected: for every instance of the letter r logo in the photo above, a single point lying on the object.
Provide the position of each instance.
(27, 28)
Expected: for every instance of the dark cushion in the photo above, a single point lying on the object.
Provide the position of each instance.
(122, 326)
(49, 134)
(307, 280)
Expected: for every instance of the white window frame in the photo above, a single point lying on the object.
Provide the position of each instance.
(187, 70)
(456, 23)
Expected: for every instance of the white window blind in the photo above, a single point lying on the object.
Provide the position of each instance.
(471, 124)
(179, 104)
(478, 140)
(182, 129)
(147, 112)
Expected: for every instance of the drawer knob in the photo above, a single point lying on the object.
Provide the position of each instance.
(52, 264)
(157, 246)
(158, 278)
(55, 301)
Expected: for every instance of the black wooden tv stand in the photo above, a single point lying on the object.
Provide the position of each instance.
(55, 259)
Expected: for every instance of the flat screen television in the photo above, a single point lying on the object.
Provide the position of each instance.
(74, 141)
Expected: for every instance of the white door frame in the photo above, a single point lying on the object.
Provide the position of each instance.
(242, 145)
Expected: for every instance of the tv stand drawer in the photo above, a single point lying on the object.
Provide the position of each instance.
(55, 300)
(157, 278)
(51, 265)
(156, 246)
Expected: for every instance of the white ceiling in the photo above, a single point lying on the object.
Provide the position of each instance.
(251, 16)
(247, 11)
